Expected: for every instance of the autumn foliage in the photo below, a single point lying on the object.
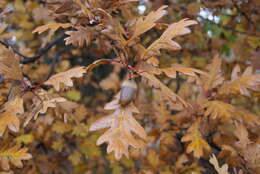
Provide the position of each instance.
(101, 86)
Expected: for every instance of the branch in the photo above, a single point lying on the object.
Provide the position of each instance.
(54, 62)
(42, 52)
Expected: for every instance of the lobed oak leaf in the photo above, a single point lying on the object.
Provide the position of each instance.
(241, 84)
(165, 41)
(119, 136)
(9, 64)
(13, 155)
(220, 110)
(79, 37)
(52, 27)
(147, 23)
(197, 144)
(8, 118)
(214, 77)
(65, 77)
(41, 107)
(220, 169)
(164, 89)
(172, 71)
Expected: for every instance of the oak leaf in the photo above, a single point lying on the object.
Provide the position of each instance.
(9, 64)
(65, 77)
(8, 118)
(172, 71)
(241, 84)
(13, 155)
(97, 63)
(121, 125)
(220, 110)
(197, 144)
(145, 24)
(165, 41)
(52, 27)
(79, 37)
(153, 81)
(41, 107)
(214, 77)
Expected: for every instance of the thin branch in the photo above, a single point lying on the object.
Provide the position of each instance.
(54, 62)
(42, 52)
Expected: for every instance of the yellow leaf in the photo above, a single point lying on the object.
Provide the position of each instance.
(52, 27)
(65, 77)
(15, 155)
(197, 144)
(25, 139)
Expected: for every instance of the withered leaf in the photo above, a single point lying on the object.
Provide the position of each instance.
(97, 63)
(13, 155)
(121, 125)
(214, 77)
(8, 118)
(241, 84)
(172, 71)
(220, 110)
(165, 41)
(9, 64)
(52, 27)
(197, 144)
(80, 37)
(65, 77)
(145, 24)
(164, 89)
(220, 169)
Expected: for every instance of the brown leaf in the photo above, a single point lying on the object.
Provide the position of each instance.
(9, 64)
(121, 125)
(97, 63)
(241, 84)
(80, 37)
(221, 170)
(165, 41)
(220, 110)
(172, 71)
(145, 24)
(41, 107)
(164, 89)
(52, 27)
(214, 77)
(65, 77)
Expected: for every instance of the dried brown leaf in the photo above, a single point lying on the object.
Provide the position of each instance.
(52, 27)
(65, 77)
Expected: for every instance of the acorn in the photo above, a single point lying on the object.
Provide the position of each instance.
(128, 92)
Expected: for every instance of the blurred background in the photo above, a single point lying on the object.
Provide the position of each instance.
(229, 28)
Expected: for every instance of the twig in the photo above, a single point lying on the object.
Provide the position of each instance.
(54, 62)
(42, 52)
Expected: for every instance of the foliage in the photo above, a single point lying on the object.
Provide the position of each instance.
(180, 89)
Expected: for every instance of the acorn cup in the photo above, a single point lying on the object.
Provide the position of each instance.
(128, 92)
